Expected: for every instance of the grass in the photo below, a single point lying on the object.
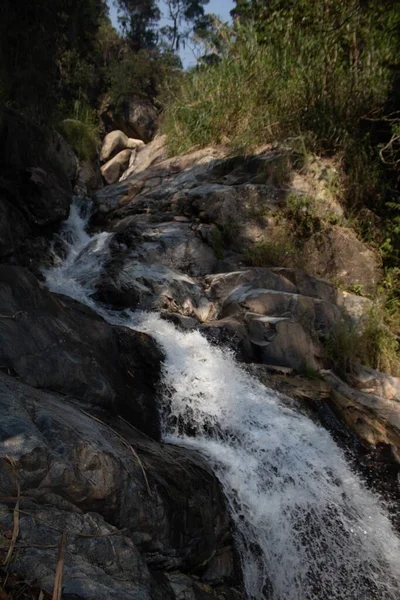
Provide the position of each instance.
(278, 253)
(371, 343)
(81, 131)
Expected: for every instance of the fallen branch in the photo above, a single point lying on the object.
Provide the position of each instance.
(123, 440)
(57, 591)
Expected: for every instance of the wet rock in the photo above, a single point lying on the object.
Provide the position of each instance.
(132, 508)
(154, 265)
(51, 342)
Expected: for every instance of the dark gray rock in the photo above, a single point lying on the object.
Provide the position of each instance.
(132, 508)
(37, 171)
(55, 343)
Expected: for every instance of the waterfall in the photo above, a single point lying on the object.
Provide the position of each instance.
(306, 527)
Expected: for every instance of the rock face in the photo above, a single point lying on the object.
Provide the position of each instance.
(55, 343)
(37, 171)
(79, 428)
(115, 493)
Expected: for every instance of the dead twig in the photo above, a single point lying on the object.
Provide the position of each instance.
(57, 591)
(15, 532)
(135, 428)
(13, 317)
(123, 440)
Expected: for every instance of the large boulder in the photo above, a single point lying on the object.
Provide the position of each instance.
(115, 142)
(55, 343)
(37, 173)
(137, 118)
(284, 312)
(135, 513)
(114, 168)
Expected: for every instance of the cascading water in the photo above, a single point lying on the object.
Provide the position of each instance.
(306, 527)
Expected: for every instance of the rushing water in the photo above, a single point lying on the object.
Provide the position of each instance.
(306, 527)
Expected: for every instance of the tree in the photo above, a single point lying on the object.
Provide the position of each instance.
(140, 20)
(46, 50)
(184, 17)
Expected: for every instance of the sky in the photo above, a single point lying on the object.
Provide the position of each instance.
(221, 8)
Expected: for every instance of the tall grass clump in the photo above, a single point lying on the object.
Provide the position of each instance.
(370, 342)
(81, 130)
(315, 71)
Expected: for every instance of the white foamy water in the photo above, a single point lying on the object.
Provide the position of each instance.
(306, 527)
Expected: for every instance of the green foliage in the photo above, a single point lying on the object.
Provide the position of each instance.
(81, 131)
(316, 81)
(276, 253)
(42, 46)
(310, 372)
(141, 22)
(371, 343)
(301, 211)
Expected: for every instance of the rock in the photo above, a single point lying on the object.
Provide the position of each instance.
(374, 419)
(240, 211)
(153, 153)
(153, 266)
(134, 511)
(113, 169)
(356, 306)
(338, 255)
(134, 144)
(137, 118)
(55, 343)
(286, 343)
(281, 323)
(308, 285)
(373, 382)
(115, 142)
(89, 179)
(37, 171)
